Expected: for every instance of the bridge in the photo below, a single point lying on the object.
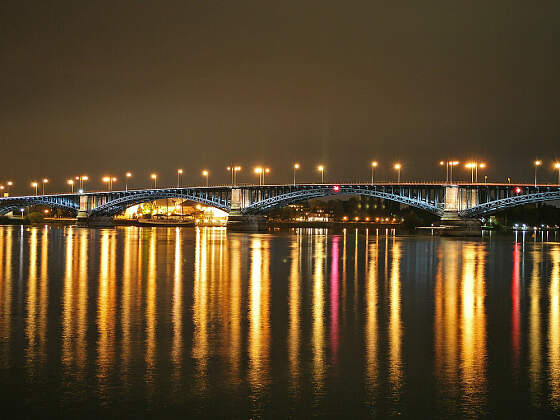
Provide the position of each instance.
(247, 202)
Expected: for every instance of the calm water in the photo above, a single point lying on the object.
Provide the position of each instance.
(308, 322)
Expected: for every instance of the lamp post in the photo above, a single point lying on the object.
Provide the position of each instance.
(259, 171)
(43, 182)
(234, 170)
(35, 185)
(398, 167)
(82, 179)
(451, 165)
(296, 167)
(373, 166)
(154, 177)
(446, 164)
(21, 210)
(471, 166)
(71, 183)
(179, 174)
(537, 164)
(481, 166)
(321, 169)
(205, 174)
(9, 184)
(557, 166)
(109, 181)
(128, 175)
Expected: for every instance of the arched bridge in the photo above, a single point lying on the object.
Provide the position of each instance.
(462, 200)
(62, 201)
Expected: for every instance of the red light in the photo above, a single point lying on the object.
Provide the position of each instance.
(517, 190)
(336, 188)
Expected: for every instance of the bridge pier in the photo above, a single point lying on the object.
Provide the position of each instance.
(239, 222)
(455, 200)
(95, 221)
(246, 223)
(86, 220)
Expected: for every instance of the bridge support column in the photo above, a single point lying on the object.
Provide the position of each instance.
(239, 222)
(456, 200)
(84, 218)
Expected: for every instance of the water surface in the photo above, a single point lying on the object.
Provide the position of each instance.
(209, 323)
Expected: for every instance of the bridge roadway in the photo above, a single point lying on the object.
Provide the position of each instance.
(462, 200)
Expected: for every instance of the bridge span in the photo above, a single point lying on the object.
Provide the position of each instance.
(449, 201)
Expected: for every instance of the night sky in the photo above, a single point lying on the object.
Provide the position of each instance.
(105, 87)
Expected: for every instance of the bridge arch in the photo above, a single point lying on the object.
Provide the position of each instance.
(285, 199)
(495, 206)
(59, 202)
(120, 204)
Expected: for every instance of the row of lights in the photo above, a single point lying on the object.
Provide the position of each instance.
(262, 171)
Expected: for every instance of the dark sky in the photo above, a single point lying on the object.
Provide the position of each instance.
(104, 87)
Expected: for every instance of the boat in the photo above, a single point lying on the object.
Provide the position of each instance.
(160, 220)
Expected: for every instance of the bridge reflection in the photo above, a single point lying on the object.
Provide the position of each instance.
(152, 309)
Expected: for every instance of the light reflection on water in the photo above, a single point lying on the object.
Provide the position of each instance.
(211, 323)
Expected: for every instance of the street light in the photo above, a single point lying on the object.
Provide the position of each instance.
(179, 173)
(21, 209)
(321, 169)
(9, 184)
(443, 163)
(557, 166)
(449, 169)
(82, 179)
(127, 176)
(35, 185)
(451, 165)
(205, 173)
(234, 170)
(71, 183)
(471, 166)
(259, 172)
(154, 177)
(43, 182)
(398, 167)
(296, 167)
(481, 166)
(373, 166)
(537, 164)
(109, 181)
